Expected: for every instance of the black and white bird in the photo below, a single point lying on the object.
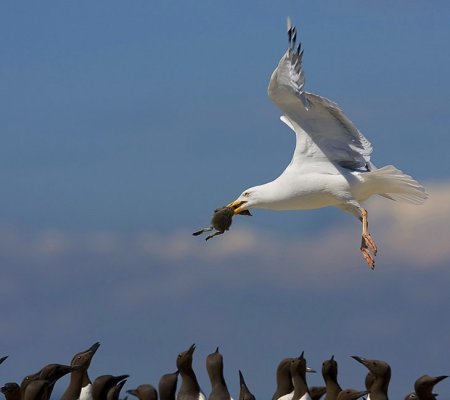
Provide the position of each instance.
(80, 385)
(381, 376)
(189, 389)
(144, 392)
(298, 372)
(285, 386)
(103, 383)
(329, 373)
(424, 386)
(167, 386)
(214, 366)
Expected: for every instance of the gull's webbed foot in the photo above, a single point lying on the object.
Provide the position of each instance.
(368, 247)
(370, 243)
(370, 260)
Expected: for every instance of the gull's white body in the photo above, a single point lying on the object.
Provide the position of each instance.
(300, 189)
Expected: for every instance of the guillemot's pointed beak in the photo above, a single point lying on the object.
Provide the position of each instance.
(94, 348)
(238, 207)
(364, 361)
(437, 379)
(361, 360)
(191, 349)
(241, 379)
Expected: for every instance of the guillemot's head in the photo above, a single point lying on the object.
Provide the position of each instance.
(184, 359)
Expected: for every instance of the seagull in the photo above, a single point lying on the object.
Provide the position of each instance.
(331, 162)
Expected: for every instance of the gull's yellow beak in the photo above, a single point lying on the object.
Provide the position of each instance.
(237, 206)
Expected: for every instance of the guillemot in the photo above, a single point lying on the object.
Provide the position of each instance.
(102, 384)
(214, 366)
(167, 386)
(329, 373)
(189, 389)
(11, 391)
(425, 384)
(381, 377)
(114, 392)
(298, 372)
(144, 392)
(80, 385)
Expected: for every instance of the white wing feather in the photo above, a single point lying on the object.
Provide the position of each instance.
(323, 131)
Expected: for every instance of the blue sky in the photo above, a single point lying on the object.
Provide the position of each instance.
(124, 124)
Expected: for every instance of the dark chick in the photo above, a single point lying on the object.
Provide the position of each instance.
(220, 221)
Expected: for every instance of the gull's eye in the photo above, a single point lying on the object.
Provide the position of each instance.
(246, 194)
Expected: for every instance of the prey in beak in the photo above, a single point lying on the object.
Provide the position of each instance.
(221, 221)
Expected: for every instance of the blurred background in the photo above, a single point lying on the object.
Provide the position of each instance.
(124, 124)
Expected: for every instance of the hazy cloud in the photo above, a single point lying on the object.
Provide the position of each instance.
(413, 235)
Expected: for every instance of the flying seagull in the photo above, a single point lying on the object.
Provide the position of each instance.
(331, 163)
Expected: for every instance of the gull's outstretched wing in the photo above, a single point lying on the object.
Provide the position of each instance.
(323, 131)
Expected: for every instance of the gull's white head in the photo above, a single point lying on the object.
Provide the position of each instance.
(250, 198)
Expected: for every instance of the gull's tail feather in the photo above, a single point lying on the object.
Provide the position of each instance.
(392, 183)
